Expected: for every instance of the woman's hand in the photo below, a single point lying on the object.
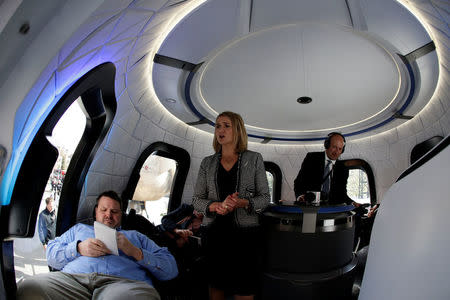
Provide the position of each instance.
(240, 202)
(218, 208)
(231, 202)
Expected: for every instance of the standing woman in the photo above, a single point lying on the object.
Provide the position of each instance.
(231, 187)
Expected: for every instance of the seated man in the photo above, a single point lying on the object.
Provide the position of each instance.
(181, 223)
(364, 230)
(322, 171)
(88, 270)
(181, 233)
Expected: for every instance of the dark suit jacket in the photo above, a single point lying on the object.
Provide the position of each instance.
(310, 178)
(170, 221)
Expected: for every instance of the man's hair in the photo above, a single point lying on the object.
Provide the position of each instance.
(48, 199)
(111, 194)
(327, 141)
(239, 133)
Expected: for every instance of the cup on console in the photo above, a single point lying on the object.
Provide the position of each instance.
(312, 197)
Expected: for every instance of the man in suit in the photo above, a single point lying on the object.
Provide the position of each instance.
(322, 171)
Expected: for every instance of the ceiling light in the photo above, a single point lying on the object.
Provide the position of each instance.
(24, 28)
(304, 100)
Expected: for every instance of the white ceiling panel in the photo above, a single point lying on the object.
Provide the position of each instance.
(212, 25)
(268, 13)
(395, 24)
(314, 61)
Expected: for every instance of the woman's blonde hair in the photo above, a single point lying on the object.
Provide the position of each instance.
(239, 133)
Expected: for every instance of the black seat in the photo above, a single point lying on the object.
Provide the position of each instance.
(421, 149)
(133, 221)
(188, 284)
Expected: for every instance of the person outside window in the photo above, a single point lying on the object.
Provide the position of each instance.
(47, 223)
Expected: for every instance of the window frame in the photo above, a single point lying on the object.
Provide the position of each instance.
(18, 218)
(183, 162)
(98, 101)
(363, 165)
(277, 175)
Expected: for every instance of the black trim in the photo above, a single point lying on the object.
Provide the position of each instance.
(177, 3)
(18, 219)
(96, 89)
(419, 52)
(2, 159)
(350, 14)
(173, 62)
(430, 154)
(183, 161)
(187, 95)
(275, 170)
(7, 274)
(250, 17)
(422, 148)
(398, 115)
(363, 165)
(199, 122)
(99, 102)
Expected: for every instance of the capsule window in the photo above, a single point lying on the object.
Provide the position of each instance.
(152, 193)
(358, 186)
(29, 253)
(157, 181)
(270, 183)
(55, 165)
(274, 178)
(361, 182)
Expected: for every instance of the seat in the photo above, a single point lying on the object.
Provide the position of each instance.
(421, 149)
(409, 248)
(188, 284)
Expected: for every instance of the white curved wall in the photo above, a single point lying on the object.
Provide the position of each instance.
(128, 36)
(408, 258)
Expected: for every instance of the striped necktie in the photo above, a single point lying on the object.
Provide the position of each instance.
(326, 183)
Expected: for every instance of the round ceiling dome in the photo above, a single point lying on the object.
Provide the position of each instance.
(369, 66)
(262, 72)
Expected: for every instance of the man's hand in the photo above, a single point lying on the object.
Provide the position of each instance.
(92, 247)
(197, 221)
(128, 248)
(372, 211)
(183, 236)
(301, 198)
(356, 204)
(183, 233)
